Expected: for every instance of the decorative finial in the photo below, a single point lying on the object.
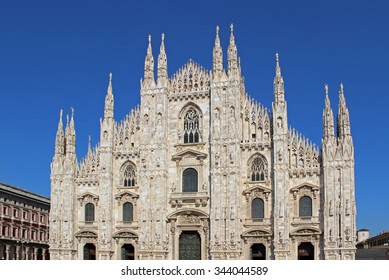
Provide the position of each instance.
(163, 37)
(277, 58)
(232, 27)
(60, 114)
(89, 142)
(217, 29)
(341, 88)
(326, 89)
(72, 109)
(67, 119)
(149, 39)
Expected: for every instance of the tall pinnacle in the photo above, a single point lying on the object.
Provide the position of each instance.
(343, 123)
(162, 62)
(278, 85)
(328, 117)
(232, 53)
(108, 107)
(149, 65)
(59, 139)
(217, 54)
(70, 134)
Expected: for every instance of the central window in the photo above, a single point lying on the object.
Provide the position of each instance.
(191, 127)
(258, 170)
(190, 180)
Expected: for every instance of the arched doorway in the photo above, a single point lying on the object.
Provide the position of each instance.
(190, 246)
(89, 251)
(128, 252)
(258, 251)
(306, 251)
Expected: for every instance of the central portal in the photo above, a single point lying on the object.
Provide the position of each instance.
(190, 246)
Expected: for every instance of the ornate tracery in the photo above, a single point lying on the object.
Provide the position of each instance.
(191, 126)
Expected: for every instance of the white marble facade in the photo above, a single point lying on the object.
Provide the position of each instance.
(200, 170)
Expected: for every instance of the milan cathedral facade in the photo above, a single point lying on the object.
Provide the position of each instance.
(200, 170)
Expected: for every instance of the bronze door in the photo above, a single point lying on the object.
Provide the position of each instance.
(190, 246)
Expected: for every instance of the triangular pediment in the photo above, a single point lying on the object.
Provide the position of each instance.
(126, 193)
(305, 185)
(257, 187)
(88, 197)
(189, 153)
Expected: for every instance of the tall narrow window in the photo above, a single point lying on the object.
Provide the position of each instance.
(305, 206)
(257, 209)
(128, 212)
(89, 213)
(191, 127)
(257, 170)
(129, 176)
(190, 180)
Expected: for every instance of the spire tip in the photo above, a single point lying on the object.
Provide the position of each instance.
(326, 89)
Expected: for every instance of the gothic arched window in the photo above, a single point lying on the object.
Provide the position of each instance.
(129, 176)
(89, 213)
(257, 209)
(128, 212)
(257, 170)
(191, 126)
(305, 206)
(189, 180)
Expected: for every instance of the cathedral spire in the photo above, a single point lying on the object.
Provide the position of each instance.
(162, 63)
(278, 83)
(108, 108)
(149, 65)
(217, 54)
(59, 139)
(70, 135)
(89, 145)
(343, 121)
(328, 117)
(232, 53)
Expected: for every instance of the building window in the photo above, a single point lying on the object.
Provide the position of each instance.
(5, 210)
(305, 206)
(16, 213)
(258, 170)
(128, 212)
(5, 231)
(191, 127)
(190, 180)
(25, 215)
(15, 232)
(42, 219)
(34, 217)
(257, 209)
(89, 213)
(129, 176)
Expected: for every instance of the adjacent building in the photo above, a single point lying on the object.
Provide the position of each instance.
(201, 170)
(372, 248)
(24, 224)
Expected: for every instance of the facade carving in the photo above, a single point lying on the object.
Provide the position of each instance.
(200, 170)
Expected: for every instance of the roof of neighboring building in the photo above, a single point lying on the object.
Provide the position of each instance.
(24, 193)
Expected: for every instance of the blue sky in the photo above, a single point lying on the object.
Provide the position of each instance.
(58, 54)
